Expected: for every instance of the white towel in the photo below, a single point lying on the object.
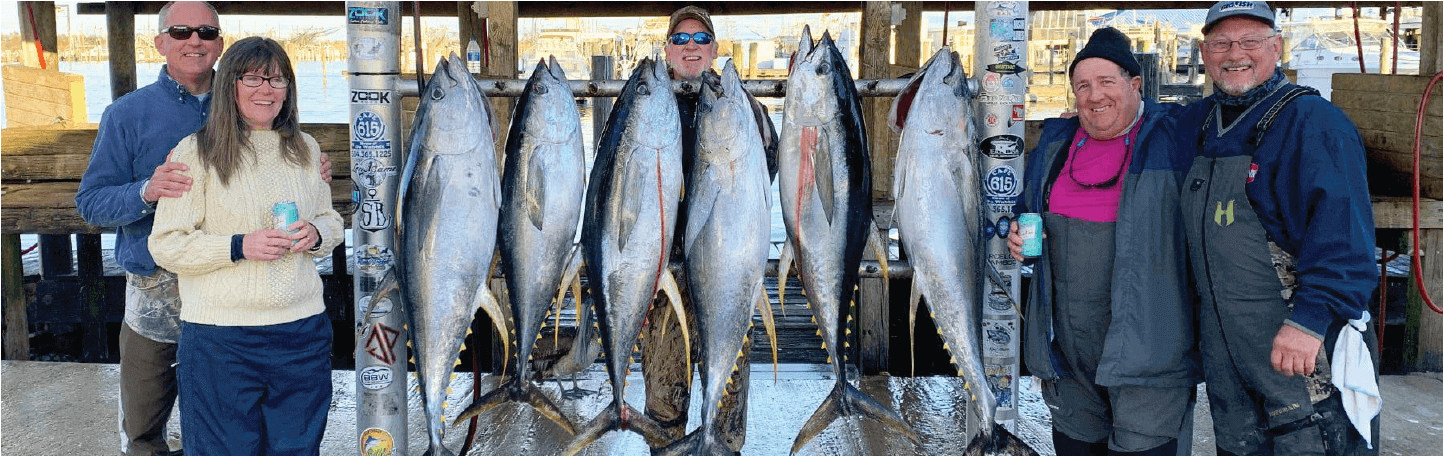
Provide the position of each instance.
(1353, 372)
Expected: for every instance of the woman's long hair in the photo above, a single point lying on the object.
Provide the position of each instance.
(224, 138)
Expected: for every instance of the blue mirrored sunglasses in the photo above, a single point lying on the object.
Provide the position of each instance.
(681, 38)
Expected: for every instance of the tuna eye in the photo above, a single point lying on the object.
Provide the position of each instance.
(642, 89)
(539, 89)
(437, 94)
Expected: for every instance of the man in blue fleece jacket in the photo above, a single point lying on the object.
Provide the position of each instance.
(127, 174)
(1280, 237)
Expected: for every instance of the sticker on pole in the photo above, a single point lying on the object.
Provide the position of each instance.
(998, 337)
(368, 135)
(367, 48)
(370, 173)
(1001, 186)
(376, 442)
(368, 16)
(1003, 147)
(376, 377)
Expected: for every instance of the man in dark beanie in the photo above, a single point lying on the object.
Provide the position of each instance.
(1109, 327)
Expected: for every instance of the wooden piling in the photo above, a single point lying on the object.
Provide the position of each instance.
(37, 30)
(16, 330)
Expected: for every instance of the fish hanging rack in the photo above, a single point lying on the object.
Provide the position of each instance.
(612, 88)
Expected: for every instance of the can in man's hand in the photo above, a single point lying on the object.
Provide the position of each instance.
(1030, 228)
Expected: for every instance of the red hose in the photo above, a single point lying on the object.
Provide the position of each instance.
(39, 51)
(1358, 40)
(1418, 266)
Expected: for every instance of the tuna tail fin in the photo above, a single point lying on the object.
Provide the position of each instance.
(847, 400)
(695, 444)
(999, 441)
(668, 284)
(611, 419)
(443, 451)
(765, 305)
(518, 390)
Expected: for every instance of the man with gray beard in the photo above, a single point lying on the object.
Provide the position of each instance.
(1280, 236)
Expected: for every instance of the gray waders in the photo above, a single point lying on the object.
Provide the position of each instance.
(1245, 281)
(1124, 419)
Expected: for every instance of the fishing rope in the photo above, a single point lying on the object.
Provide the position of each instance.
(1418, 266)
(420, 56)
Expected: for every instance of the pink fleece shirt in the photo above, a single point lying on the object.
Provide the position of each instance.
(1093, 161)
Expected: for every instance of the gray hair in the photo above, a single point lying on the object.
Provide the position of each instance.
(165, 12)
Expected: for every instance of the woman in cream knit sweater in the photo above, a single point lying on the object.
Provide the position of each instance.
(254, 355)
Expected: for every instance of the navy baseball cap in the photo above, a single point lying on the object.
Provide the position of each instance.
(1259, 11)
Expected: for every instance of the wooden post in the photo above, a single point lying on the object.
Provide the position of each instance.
(37, 25)
(120, 31)
(1429, 31)
(1424, 325)
(603, 67)
(17, 328)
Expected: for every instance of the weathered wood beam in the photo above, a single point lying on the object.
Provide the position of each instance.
(1429, 33)
(717, 8)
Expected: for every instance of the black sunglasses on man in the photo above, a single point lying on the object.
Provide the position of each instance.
(183, 32)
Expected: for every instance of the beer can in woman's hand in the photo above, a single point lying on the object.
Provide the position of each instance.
(283, 215)
(1030, 228)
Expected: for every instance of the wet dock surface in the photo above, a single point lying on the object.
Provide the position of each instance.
(69, 409)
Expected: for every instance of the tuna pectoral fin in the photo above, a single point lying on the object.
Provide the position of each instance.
(816, 168)
(487, 302)
(518, 390)
(846, 400)
(913, 298)
(668, 284)
(536, 191)
(998, 442)
(610, 420)
(765, 305)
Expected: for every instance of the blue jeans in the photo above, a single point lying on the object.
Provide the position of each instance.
(255, 390)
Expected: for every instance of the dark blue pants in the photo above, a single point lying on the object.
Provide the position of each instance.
(255, 390)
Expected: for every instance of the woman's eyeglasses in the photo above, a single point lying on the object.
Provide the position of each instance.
(681, 38)
(183, 32)
(251, 80)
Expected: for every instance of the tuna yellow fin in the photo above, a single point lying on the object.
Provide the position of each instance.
(488, 303)
(784, 263)
(765, 305)
(879, 251)
(570, 278)
(668, 284)
(913, 298)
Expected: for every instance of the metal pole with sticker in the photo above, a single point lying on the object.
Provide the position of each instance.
(373, 35)
(1000, 55)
